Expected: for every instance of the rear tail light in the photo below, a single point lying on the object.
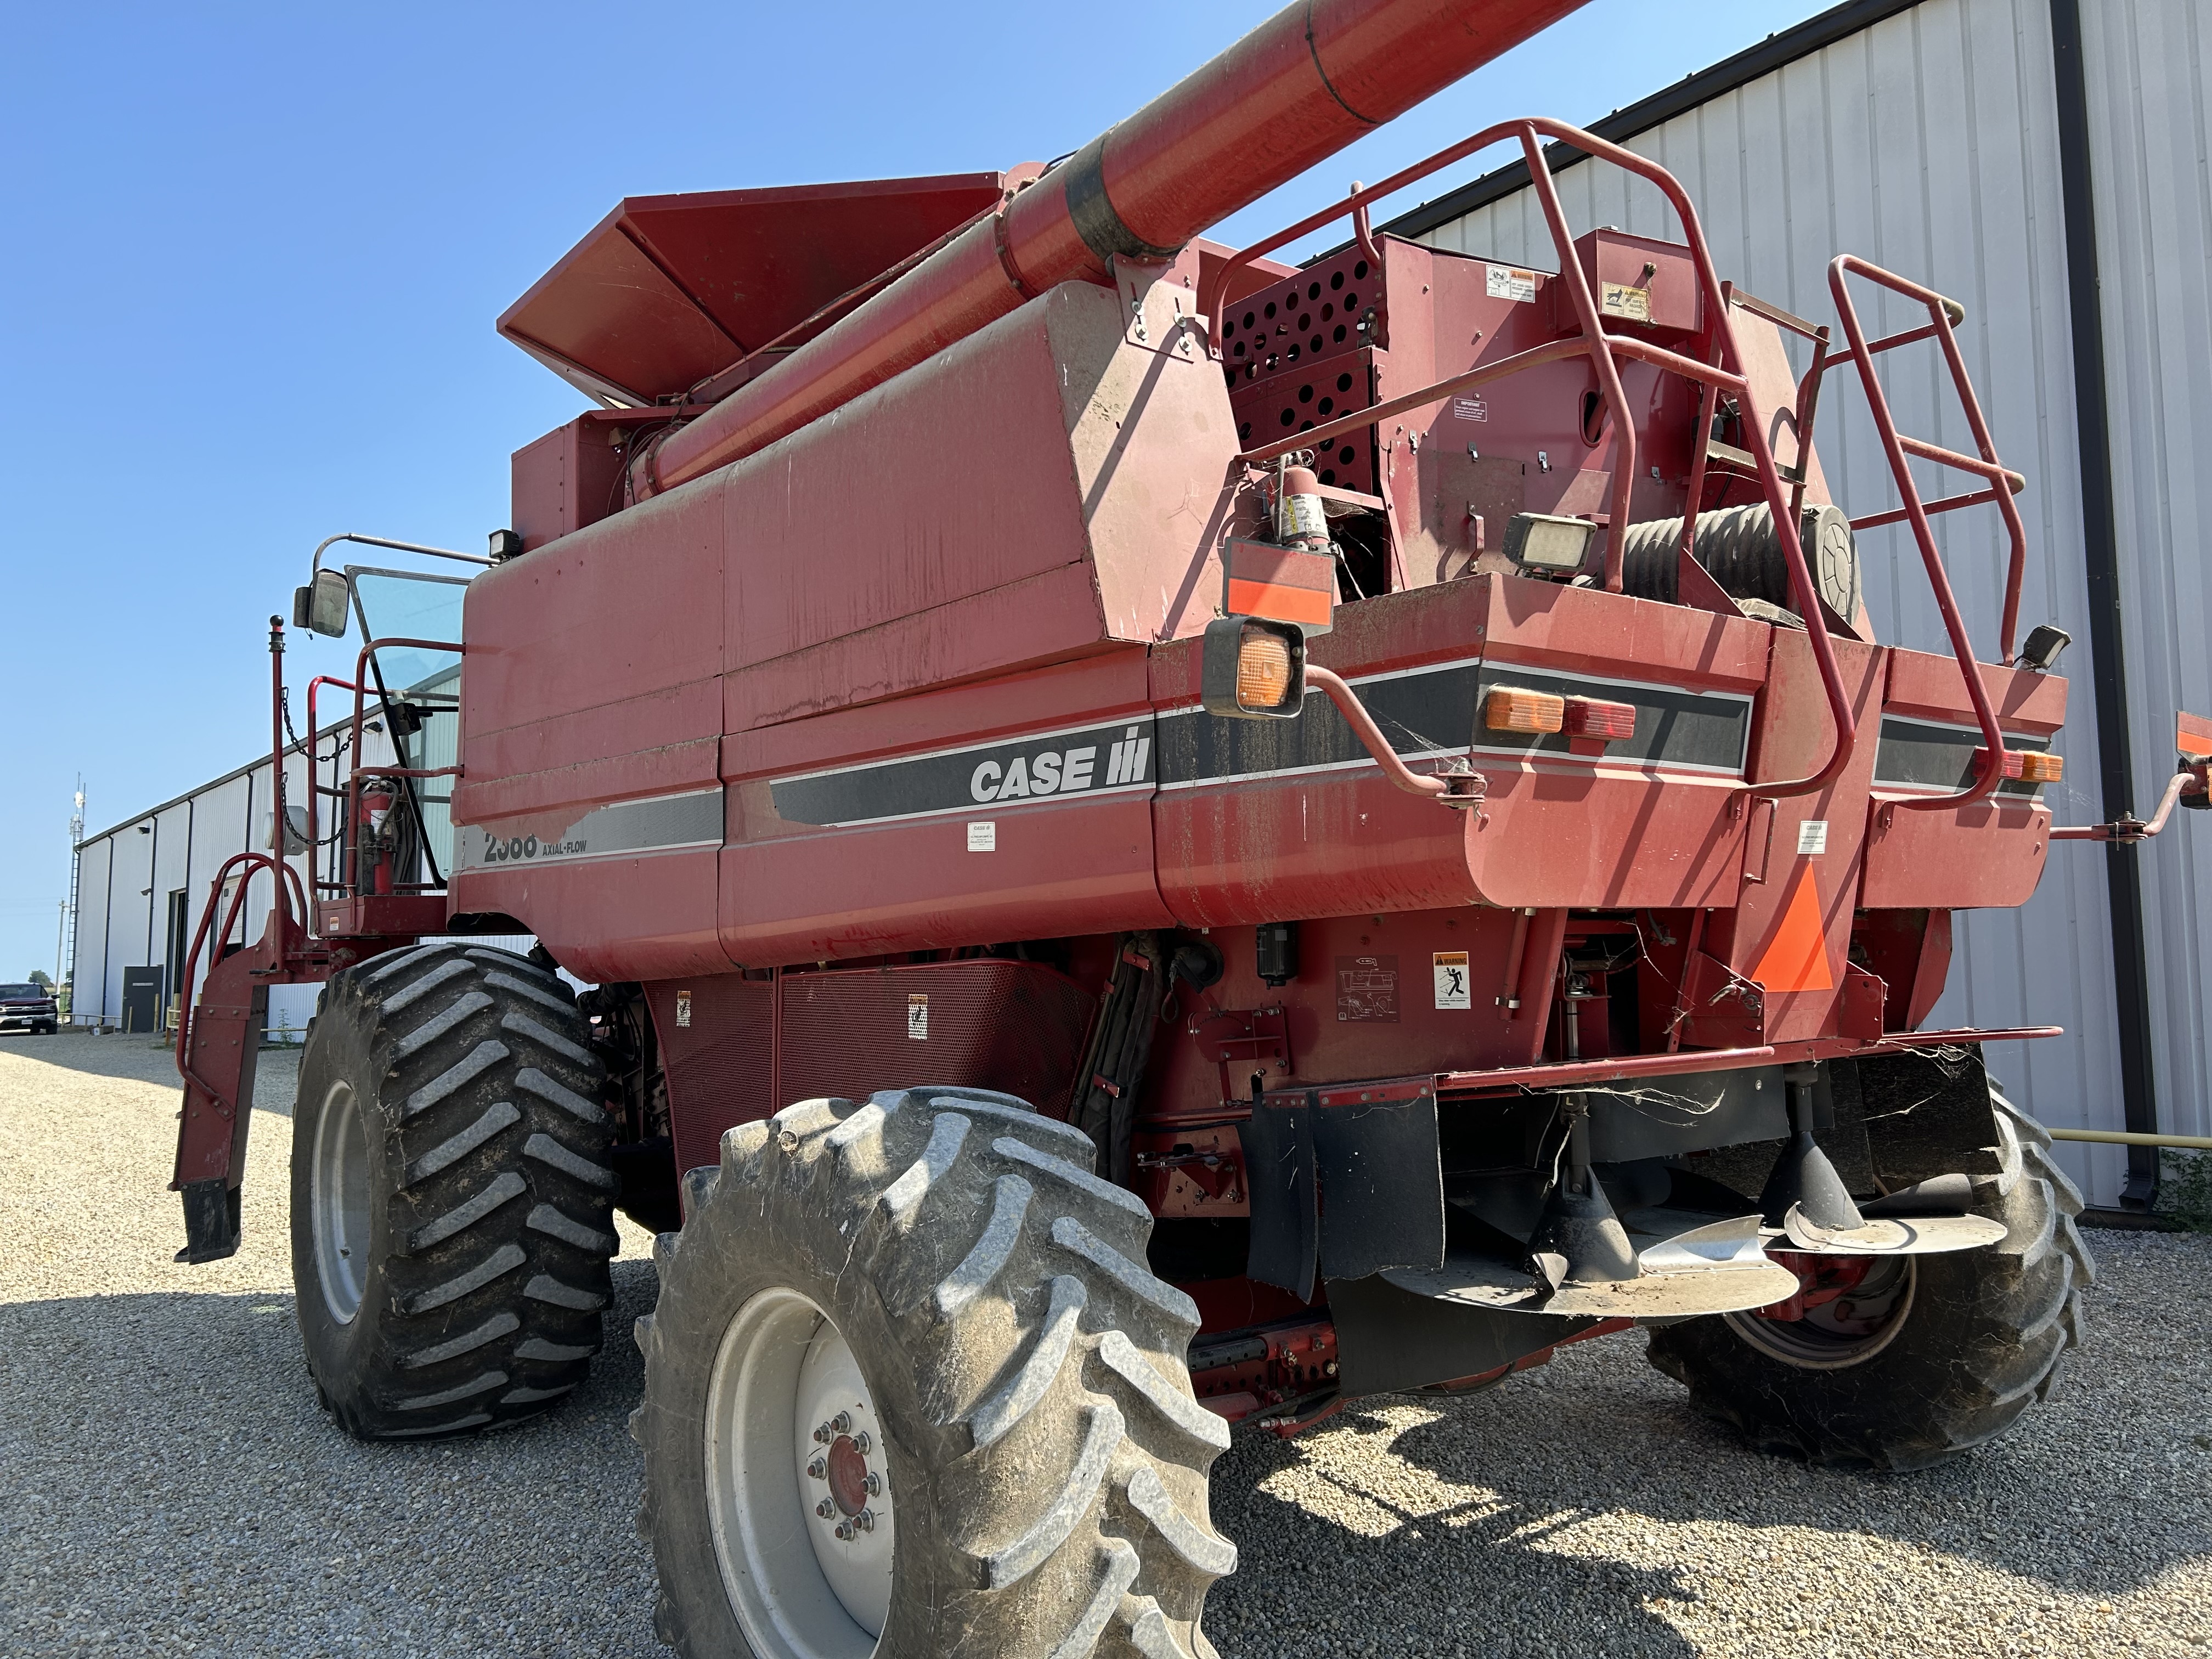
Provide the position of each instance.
(1594, 717)
(2013, 762)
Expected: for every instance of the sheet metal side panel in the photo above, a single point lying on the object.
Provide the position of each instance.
(1928, 144)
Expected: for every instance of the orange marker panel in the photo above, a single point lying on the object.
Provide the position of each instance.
(1797, 958)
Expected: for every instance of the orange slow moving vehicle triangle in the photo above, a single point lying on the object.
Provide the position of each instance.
(1797, 958)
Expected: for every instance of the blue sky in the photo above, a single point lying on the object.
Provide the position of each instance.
(254, 256)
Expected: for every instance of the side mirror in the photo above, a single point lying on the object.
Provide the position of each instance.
(322, 606)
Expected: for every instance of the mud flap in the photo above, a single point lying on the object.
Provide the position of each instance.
(1388, 1339)
(1926, 1114)
(1345, 1183)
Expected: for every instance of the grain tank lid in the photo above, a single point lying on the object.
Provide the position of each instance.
(666, 290)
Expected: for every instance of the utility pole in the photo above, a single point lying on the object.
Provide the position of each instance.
(69, 904)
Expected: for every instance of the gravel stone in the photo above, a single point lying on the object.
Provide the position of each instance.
(168, 1484)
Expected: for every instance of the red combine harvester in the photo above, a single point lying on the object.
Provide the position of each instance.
(1293, 833)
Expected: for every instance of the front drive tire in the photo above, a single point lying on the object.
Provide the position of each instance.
(451, 1182)
(1975, 1338)
(925, 1310)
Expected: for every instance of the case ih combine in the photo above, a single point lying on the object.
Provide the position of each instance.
(1293, 833)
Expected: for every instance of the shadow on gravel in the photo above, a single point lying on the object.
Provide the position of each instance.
(170, 1479)
(2082, 1495)
(1396, 1573)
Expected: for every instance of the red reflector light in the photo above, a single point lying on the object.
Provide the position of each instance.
(2013, 762)
(1593, 717)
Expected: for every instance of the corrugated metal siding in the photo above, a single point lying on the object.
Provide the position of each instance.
(125, 922)
(1928, 144)
(2149, 66)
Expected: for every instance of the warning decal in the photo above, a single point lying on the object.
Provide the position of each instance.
(1509, 283)
(917, 1016)
(1621, 300)
(1452, 988)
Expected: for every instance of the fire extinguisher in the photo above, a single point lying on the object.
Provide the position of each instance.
(378, 797)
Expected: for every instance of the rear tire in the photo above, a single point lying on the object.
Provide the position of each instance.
(1039, 1457)
(1974, 1338)
(451, 1181)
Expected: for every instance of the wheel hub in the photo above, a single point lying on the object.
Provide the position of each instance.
(852, 1482)
(338, 1202)
(1846, 1310)
(792, 1427)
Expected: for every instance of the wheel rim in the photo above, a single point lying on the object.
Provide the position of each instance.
(798, 1493)
(339, 1202)
(1848, 1331)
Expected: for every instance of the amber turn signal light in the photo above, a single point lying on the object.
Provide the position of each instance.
(1513, 708)
(1252, 669)
(2038, 766)
(1263, 669)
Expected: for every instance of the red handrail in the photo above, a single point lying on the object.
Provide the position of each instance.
(1601, 349)
(314, 791)
(1941, 313)
(254, 861)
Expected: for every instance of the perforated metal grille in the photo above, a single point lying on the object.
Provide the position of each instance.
(1295, 355)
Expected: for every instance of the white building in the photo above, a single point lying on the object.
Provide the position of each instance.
(2044, 163)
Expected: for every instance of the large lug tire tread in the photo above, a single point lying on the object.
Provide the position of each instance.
(490, 1189)
(1046, 1453)
(1981, 1342)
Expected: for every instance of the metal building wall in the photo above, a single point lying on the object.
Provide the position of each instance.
(123, 922)
(1928, 144)
(2149, 69)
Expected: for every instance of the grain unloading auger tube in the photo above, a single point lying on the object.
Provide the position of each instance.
(1293, 833)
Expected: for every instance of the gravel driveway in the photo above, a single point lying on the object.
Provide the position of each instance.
(167, 1485)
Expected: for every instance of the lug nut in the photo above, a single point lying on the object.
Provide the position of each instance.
(862, 1443)
(865, 1521)
(822, 1435)
(873, 1485)
(844, 1532)
(841, 1424)
(825, 1508)
(818, 1469)
(1329, 1369)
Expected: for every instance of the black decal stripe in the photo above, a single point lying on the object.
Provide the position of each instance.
(1426, 712)
(1110, 757)
(1924, 755)
(1436, 711)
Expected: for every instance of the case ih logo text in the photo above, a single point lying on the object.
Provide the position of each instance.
(1058, 771)
(1086, 760)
